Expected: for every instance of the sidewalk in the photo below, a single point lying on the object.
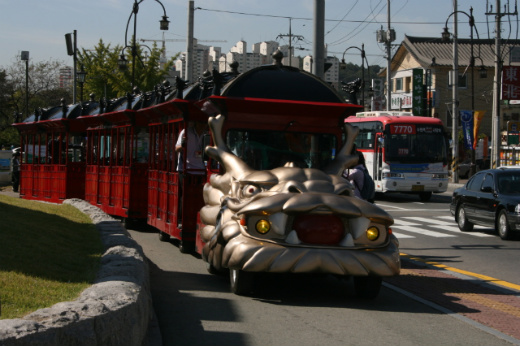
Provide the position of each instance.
(8, 191)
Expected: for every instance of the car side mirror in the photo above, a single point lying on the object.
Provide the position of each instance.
(488, 189)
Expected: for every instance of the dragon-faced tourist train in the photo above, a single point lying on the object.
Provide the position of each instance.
(257, 188)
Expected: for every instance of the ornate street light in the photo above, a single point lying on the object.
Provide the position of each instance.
(164, 25)
(81, 75)
(343, 65)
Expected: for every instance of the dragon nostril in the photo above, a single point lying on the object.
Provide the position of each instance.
(294, 189)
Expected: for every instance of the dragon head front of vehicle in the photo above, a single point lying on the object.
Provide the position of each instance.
(290, 219)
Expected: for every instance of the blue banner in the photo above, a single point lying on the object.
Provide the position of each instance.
(466, 118)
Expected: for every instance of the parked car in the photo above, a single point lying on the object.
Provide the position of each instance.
(465, 167)
(489, 198)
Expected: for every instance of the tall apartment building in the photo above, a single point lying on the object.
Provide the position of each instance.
(66, 78)
(208, 58)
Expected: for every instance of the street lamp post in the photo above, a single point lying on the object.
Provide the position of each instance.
(25, 57)
(445, 37)
(343, 65)
(72, 50)
(164, 23)
(81, 80)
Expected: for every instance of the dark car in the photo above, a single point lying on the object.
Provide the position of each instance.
(489, 198)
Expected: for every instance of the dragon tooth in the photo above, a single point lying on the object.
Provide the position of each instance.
(347, 240)
(292, 238)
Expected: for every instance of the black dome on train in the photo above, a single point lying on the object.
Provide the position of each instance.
(281, 82)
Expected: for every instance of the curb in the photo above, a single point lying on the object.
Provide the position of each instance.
(115, 310)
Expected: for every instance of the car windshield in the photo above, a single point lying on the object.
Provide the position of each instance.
(509, 182)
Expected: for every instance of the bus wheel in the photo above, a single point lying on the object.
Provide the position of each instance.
(164, 236)
(241, 281)
(425, 196)
(367, 287)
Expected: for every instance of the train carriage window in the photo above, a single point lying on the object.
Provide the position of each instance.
(267, 149)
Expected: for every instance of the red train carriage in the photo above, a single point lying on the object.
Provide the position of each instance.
(175, 194)
(117, 159)
(53, 156)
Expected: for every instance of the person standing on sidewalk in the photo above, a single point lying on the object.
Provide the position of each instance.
(16, 171)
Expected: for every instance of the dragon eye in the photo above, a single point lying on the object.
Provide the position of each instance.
(250, 190)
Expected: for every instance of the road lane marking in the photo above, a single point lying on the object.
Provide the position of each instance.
(423, 231)
(455, 229)
(402, 235)
(427, 220)
(401, 222)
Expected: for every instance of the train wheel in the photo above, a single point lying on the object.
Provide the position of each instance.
(186, 247)
(211, 269)
(241, 281)
(367, 287)
(164, 236)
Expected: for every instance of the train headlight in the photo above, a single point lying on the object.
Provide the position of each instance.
(372, 233)
(263, 226)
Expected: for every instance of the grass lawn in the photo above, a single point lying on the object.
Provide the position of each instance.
(48, 253)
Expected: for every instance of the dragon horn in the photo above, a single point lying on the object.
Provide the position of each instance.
(220, 152)
(344, 158)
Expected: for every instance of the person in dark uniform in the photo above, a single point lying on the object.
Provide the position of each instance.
(16, 171)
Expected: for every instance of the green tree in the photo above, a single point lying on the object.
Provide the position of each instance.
(43, 91)
(104, 78)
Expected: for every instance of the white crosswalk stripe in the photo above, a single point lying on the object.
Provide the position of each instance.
(455, 229)
(422, 231)
(424, 226)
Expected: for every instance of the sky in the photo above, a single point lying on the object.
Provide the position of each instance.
(39, 26)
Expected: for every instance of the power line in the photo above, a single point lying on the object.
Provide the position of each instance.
(328, 20)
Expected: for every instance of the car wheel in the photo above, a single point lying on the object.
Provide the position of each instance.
(241, 281)
(425, 196)
(462, 220)
(367, 287)
(502, 226)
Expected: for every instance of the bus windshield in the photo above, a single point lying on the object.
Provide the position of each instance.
(263, 150)
(418, 144)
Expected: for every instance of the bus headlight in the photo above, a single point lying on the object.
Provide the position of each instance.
(263, 226)
(393, 175)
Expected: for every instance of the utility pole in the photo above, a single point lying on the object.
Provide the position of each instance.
(189, 43)
(455, 101)
(291, 36)
(387, 37)
(497, 85)
(318, 65)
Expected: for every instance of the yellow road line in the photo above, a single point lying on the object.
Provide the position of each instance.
(465, 272)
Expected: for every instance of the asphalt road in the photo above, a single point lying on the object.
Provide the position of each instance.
(426, 305)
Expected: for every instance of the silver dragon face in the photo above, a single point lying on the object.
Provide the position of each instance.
(291, 219)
